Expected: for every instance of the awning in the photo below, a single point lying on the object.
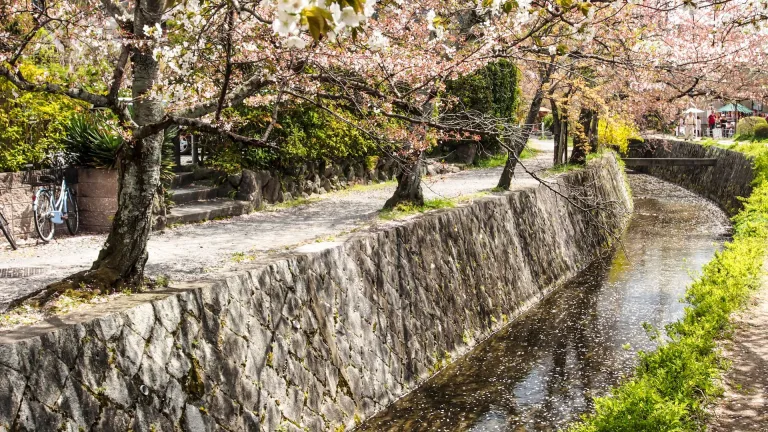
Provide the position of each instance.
(730, 108)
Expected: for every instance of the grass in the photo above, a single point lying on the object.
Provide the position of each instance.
(672, 385)
(559, 169)
(292, 203)
(403, 210)
(498, 160)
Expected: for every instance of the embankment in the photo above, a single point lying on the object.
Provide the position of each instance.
(318, 339)
(723, 183)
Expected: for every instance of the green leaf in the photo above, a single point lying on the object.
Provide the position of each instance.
(318, 20)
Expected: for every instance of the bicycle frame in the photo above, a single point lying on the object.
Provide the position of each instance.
(59, 204)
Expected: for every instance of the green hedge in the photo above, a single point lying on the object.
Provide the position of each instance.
(492, 90)
(671, 386)
(745, 129)
(303, 133)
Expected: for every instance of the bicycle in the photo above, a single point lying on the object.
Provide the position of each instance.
(50, 210)
(5, 227)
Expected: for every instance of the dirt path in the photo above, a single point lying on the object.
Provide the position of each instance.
(200, 250)
(744, 406)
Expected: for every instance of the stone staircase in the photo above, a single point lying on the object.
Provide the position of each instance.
(197, 198)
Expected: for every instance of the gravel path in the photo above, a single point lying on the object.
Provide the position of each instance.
(744, 406)
(199, 250)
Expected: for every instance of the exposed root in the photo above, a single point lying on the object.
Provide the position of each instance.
(84, 285)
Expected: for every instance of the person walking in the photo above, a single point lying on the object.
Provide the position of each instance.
(690, 127)
(712, 121)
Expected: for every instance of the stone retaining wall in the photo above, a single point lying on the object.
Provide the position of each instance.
(723, 183)
(317, 340)
(318, 178)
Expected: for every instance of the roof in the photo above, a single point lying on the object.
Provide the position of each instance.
(741, 108)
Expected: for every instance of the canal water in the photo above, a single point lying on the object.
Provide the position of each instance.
(540, 372)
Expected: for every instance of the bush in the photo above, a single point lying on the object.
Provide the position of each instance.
(90, 143)
(548, 121)
(761, 131)
(303, 134)
(745, 129)
(617, 131)
(32, 125)
(493, 90)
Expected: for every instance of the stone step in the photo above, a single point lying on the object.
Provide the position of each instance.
(207, 210)
(193, 193)
(182, 179)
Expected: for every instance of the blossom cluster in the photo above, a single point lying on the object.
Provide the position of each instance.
(332, 18)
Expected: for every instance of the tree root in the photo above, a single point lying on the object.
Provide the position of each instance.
(85, 284)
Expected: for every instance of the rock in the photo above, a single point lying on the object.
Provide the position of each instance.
(272, 189)
(234, 180)
(12, 386)
(250, 188)
(465, 153)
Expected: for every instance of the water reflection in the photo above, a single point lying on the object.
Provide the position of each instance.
(540, 372)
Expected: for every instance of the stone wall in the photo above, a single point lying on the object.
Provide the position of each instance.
(96, 197)
(316, 340)
(723, 183)
(16, 204)
(317, 178)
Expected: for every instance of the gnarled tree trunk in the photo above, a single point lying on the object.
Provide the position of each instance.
(122, 259)
(556, 128)
(582, 137)
(408, 184)
(517, 146)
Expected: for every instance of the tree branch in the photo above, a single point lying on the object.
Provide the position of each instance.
(75, 92)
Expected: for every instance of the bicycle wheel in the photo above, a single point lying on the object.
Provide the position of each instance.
(73, 215)
(5, 227)
(43, 222)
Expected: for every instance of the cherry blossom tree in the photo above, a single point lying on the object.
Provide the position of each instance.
(377, 65)
(159, 63)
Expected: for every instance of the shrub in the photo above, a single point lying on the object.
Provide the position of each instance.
(31, 124)
(745, 129)
(90, 143)
(548, 121)
(617, 131)
(761, 131)
(303, 134)
(493, 90)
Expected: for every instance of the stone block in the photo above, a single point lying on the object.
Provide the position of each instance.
(168, 312)
(141, 319)
(12, 386)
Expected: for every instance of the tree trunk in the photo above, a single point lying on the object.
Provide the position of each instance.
(517, 145)
(562, 155)
(556, 128)
(122, 259)
(581, 138)
(593, 132)
(408, 184)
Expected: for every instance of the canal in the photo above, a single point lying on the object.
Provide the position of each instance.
(541, 371)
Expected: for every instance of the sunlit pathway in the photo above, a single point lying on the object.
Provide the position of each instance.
(744, 405)
(201, 250)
